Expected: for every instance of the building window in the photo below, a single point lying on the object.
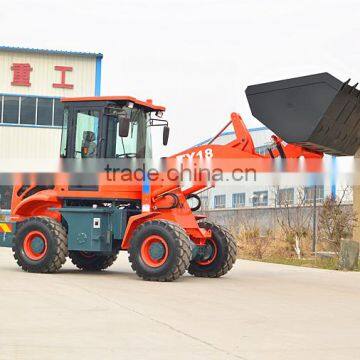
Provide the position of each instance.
(45, 111)
(219, 201)
(309, 194)
(204, 202)
(264, 149)
(260, 198)
(28, 110)
(238, 200)
(285, 197)
(33, 110)
(58, 113)
(11, 110)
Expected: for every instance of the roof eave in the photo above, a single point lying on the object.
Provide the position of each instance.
(49, 51)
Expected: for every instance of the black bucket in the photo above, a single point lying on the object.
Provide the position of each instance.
(316, 111)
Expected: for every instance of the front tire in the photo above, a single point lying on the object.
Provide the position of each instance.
(90, 261)
(160, 251)
(40, 245)
(221, 254)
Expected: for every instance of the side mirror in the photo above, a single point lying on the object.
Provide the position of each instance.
(166, 132)
(124, 126)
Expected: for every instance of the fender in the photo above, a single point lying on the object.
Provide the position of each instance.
(38, 205)
(133, 223)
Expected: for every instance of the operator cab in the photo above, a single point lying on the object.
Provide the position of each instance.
(110, 127)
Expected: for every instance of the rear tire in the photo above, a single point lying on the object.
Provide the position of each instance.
(160, 251)
(221, 257)
(40, 245)
(90, 261)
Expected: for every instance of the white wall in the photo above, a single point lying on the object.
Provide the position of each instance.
(44, 75)
(29, 142)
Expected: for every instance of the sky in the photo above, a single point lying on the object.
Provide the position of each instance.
(195, 57)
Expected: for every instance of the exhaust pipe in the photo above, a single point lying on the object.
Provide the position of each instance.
(318, 112)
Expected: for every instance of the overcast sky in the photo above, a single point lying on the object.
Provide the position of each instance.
(195, 57)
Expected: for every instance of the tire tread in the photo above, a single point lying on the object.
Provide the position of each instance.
(101, 263)
(182, 261)
(231, 248)
(59, 234)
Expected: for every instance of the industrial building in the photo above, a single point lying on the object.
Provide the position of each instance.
(32, 81)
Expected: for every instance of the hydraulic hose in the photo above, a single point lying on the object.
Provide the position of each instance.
(197, 197)
(175, 203)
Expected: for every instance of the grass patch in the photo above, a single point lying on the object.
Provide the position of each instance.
(319, 263)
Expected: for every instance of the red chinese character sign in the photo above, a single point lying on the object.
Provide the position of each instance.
(63, 84)
(21, 74)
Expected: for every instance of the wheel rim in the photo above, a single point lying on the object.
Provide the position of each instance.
(211, 253)
(154, 251)
(35, 245)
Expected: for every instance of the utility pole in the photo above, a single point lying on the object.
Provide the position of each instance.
(314, 223)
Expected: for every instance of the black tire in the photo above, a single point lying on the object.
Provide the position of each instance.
(225, 257)
(53, 256)
(175, 262)
(89, 261)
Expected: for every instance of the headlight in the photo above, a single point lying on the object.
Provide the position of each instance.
(130, 104)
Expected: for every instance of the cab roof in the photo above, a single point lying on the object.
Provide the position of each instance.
(148, 103)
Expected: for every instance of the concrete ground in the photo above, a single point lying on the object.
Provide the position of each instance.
(258, 311)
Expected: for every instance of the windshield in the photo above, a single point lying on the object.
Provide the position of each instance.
(137, 143)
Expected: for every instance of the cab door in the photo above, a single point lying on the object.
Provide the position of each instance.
(84, 142)
(87, 134)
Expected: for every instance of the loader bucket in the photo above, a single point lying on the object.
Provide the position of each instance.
(316, 111)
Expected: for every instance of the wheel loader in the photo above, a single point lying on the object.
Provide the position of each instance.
(163, 235)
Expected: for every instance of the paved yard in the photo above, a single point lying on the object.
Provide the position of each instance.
(258, 311)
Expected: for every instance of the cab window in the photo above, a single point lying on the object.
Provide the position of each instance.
(87, 134)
